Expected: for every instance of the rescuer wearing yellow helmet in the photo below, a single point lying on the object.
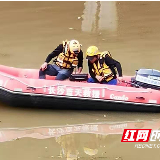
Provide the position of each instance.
(69, 56)
(102, 67)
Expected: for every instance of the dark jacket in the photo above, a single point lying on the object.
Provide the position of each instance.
(59, 50)
(109, 62)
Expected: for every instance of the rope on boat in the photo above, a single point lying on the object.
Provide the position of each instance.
(105, 87)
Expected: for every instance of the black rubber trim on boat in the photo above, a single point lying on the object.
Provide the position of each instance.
(38, 101)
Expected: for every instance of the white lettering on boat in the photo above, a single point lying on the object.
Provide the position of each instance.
(44, 88)
(125, 98)
(69, 91)
(18, 89)
(51, 90)
(86, 92)
(1, 82)
(96, 94)
(152, 101)
(76, 92)
(61, 90)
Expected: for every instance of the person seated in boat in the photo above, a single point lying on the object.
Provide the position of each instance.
(102, 67)
(68, 56)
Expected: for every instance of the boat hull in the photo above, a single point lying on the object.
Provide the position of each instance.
(68, 103)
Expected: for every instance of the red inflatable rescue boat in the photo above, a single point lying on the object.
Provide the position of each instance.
(22, 87)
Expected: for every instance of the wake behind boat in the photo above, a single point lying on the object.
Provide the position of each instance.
(22, 87)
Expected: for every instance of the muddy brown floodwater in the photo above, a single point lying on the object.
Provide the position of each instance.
(29, 31)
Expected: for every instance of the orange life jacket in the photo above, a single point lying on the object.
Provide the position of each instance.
(101, 69)
(66, 59)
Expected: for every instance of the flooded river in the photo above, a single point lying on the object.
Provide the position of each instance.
(29, 31)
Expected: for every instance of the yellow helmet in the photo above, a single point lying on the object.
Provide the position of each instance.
(74, 46)
(91, 52)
